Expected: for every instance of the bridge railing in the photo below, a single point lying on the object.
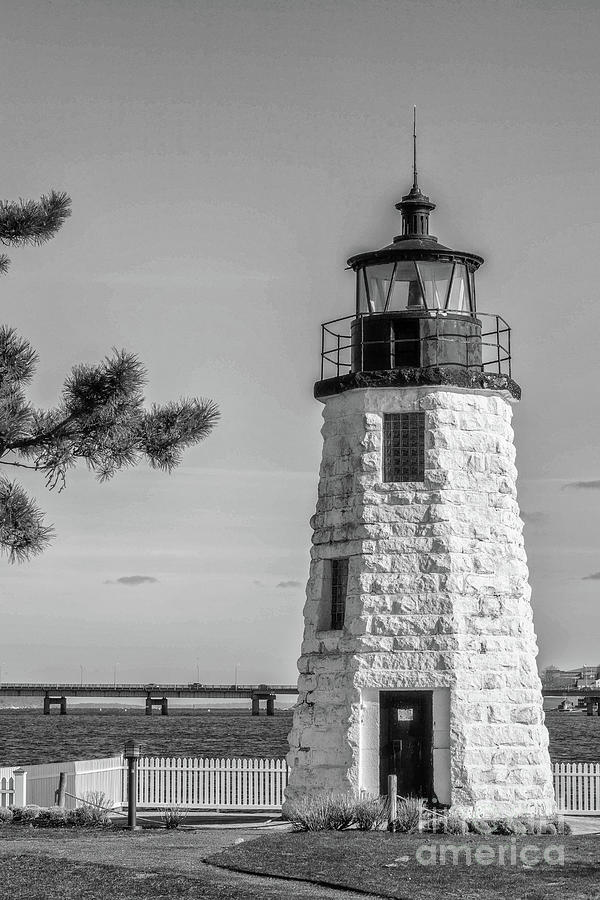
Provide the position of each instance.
(191, 686)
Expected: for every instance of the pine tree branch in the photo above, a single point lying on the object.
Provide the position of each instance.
(38, 440)
(23, 533)
(18, 359)
(100, 421)
(25, 222)
(19, 465)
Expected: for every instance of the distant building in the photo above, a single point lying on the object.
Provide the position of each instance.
(563, 679)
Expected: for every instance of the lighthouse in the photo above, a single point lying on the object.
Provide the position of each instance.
(419, 653)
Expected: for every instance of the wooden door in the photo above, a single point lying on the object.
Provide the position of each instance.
(406, 732)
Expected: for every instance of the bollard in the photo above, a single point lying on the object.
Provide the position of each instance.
(132, 754)
(392, 798)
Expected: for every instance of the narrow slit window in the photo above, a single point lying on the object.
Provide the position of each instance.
(339, 588)
(404, 447)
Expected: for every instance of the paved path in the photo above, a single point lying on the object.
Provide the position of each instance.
(584, 824)
(176, 852)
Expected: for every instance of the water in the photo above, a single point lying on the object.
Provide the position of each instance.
(28, 737)
(574, 737)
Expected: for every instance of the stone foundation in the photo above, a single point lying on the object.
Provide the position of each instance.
(437, 600)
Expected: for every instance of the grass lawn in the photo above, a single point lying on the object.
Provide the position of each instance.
(83, 864)
(386, 864)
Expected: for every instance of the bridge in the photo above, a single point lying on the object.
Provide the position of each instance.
(155, 694)
(591, 695)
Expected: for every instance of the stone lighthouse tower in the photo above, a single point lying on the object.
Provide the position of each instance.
(418, 657)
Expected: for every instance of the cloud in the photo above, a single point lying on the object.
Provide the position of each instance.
(133, 580)
(533, 518)
(595, 576)
(586, 485)
(289, 584)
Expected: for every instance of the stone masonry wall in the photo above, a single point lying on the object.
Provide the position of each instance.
(438, 597)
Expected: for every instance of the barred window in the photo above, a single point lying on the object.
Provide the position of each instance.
(404, 446)
(339, 587)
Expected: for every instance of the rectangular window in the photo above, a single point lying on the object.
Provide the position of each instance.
(339, 587)
(404, 446)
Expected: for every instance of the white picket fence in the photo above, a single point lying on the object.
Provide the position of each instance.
(7, 787)
(227, 784)
(577, 788)
(235, 784)
(212, 783)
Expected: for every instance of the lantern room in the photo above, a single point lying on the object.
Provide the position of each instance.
(416, 284)
(416, 310)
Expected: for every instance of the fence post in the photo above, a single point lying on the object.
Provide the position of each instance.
(59, 794)
(392, 798)
(20, 776)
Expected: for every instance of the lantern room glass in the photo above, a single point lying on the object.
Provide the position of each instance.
(423, 285)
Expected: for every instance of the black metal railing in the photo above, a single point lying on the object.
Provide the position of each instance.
(488, 351)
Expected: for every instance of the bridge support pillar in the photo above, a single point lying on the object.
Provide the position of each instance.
(255, 705)
(590, 706)
(271, 705)
(55, 701)
(157, 701)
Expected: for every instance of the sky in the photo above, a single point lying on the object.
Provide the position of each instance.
(225, 158)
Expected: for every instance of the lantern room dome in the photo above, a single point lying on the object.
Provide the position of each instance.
(414, 248)
(415, 270)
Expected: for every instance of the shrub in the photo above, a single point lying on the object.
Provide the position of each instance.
(25, 815)
(85, 817)
(456, 825)
(371, 813)
(93, 812)
(528, 825)
(480, 826)
(533, 825)
(6, 815)
(174, 816)
(507, 826)
(446, 823)
(410, 814)
(329, 811)
(51, 817)
(562, 827)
